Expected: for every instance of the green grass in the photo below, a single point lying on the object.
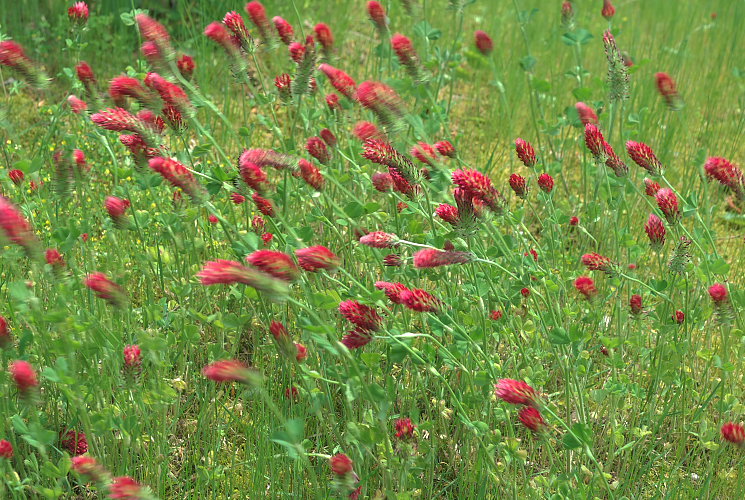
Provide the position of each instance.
(648, 415)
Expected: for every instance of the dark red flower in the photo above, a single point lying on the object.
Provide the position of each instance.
(484, 43)
(316, 258)
(679, 317)
(328, 137)
(515, 392)
(519, 185)
(431, 257)
(525, 152)
(341, 465)
(719, 294)
(324, 36)
(546, 183)
(635, 303)
(445, 148)
(365, 131)
(186, 66)
(6, 449)
(727, 174)
(644, 157)
(106, 289)
(257, 13)
(477, 185)
(179, 176)
(596, 262)
(404, 428)
(406, 54)
(318, 150)
(608, 10)
(586, 286)
(532, 419)
(392, 290)
(380, 239)
(341, 81)
(376, 13)
(277, 264)
(381, 100)
(734, 433)
(668, 204)
(655, 230)
(586, 113)
(496, 315)
(74, 442)
(419, 300)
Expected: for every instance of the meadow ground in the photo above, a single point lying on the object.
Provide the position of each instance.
(293, 305)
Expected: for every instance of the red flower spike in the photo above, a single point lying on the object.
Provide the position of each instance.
(392, 260)
(324, 36)
(392, 290)
(515, 392)
(586, 113)
(424, 152)
(406, 54)
(519, 185)
(356, 338)
(365, 131)
(6, 449)
(635, 304)
(218, 33)
(16, 176)
(381, 100)
(117, 119)
(430, 257)
(311, 175)
(317, 258)
(495, 315)
(132, 357)
(477, 185)
(380, 239)
(679, 317)
(644, 157)
(89, 468)
(267, 158)
(106, 289)
(734, 433)
(257, 13)
(179, 176)
(74, 442)
(404, 428)
(229, 370)
(376, 13)
(655, 230)
(76, 105)
(125, 488)
(172, 94)
(284, 30)
(318, 150)
(24, 376)
(668, 204)
(332, 101)
(15, 227)
(532, 419)
(650, 187)
(595, 142)
(263, 205)
(586, 286)
(277, 264)
(153, 31)
(668, 90)
(448, 213)
(78, 13)
(596, 262)
(608, 10)
(483, 42)
(445, 148)
(382, 181)
(719, 294)
(328, 137)
(382, 153)
(117, 208)
(341, 465)
(574, 221)
(546, 183)
(420, 300)
(727, 174)
(363, 317)
(186, 66)
(525, 152)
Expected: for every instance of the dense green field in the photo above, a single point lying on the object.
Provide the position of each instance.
(621, 310)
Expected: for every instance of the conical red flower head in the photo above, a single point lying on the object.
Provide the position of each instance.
(424, 152)
(253, 176)
(608, 10)
(117, 208)
(586, 286)
(376, 13)
(393, 260)
(586, 114)
(106, 289)
(16, 176)
(263, 205)
(277, 264)
(76, 104)
(132, 356)
(420, 300)
(525, 152)
(78, 13)
(324, 36)
(448, 213)
(117, 119)
(218, 33)
(381, 100)
(679, 317)
(237, 198)
(644, 157)
(15, 227)
(567, 13)
(317, 258)
(445, 148)
(595, 142)
(301, 352)
(125, 488)
(404, 428)
(477, 185)
(6, 449)
(380, 239)
(382, 181)
(4, 333)
(12, 54)
(311, 175)
(230, 370)
(431, 257)
(519, 185)
(341, 465)
(655, 231)
(596, 262)
(186, 66)
(297, 52)
(172, 94)
(515, 392)
(284, 30)
(152, 31)
(362, 316)
(532, 419)
(392, 290)
(267, 158)
(365, 131)
(734, 433)
(650, 187)
(668, 90)
(74, 442)
(719, 294)
(179, 176)
(332, 101)
(85, 74)
(24, 376)
(318, 150)
(257, 13)
(406, 54)
(546, 183)
(484, 43)
(668, 204)
(635, 303)
(357, 338)
(328, 137)
(727, 174)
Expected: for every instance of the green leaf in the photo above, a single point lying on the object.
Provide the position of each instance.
(580, 435)
(558, 336)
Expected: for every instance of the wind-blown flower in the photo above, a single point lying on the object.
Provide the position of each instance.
(515, 392)
(608, 10)
(595, 142)
(153, 31)
(284, 30)
(668, 90)
(228, 272)
(341, 81)
(324, 37)
(257, 13)
(519, 185)
(406, 54)
(172, 94)
(392, 290)
(13, 56)
(318, 150)
(186, 66)
(586, 113)
(734, 433)
(317, 258)
(383, 101)
(277, 264)
(231, 370)
(179, 176)
(24, 376)
(445, 148)
(89, 468)
(424, 152)
(420, 300)
(719, 294)
(117, 210)
(76, 104)
(16, 228)
(586, 286)
(380, 239)
(477, 185)
(376, 13)
(596, 262)
(483, 42)
(218, 33)
(727, 174)
(382, 153)
(363, 317)
(431, 257)
(341, 465)
(311, 174)
(106, 289)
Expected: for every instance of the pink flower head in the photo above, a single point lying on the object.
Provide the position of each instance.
(515, 392)
(297, 52)
(448, 213)
(477, 185)
(152, 31)
(341, 465)
(404, 428)
(420, 300)
(74, 442)
(257, 13)
(230, 370)
(668, 204)
(240, 36)
(117, 119)
(284, 30)
(424, 152)
(376, 13)
(4, 333)
(679, 317)
(519, 185)
(655, 230)
(635, 303)
(381, 100)
(89, 468)
(277, 264)
(586, 286)
(76, 104)
(644, 157)
(392, 290)
(380, 239)
(106, 289)
(316, 258)
(253, 176)
(311, 174)
(228, 272)
(24, 376)
(16, 176)
(586, 113)
(117, 208)
(78, 13)
(484, 43)
(324, 36)
(734, 433)
(186, 66)
(6, 449)
(125, 488)
(727, 174)
(132, 356)
(179, 176)
(15, 227)
(267, 158)
(363, 317)
(445, 148)
(218, 33)
(595, 142)
(406, 54)
(532, 419)
(546, 183)
(431, 257)
(283, 83)
(172, 94)
(332, 101)
(650, 187)
(328, 137)
(525, 152)
(263, 205)
(596, 262)
(318, 150)
(382, 181)
(719, 294)
(357, 338)
(85, 74)
(365, 131)
(608, 10)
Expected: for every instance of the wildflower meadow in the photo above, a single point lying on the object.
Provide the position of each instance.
(396, 249)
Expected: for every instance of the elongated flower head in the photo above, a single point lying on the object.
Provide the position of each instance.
(448, 213)
(586, 286)
(78, 13)
(608, 10)
(126, 488)
(668, 204)
(117, 210)
(74, 442)
(404, 428)
(116, 119)
(4, 333)
(284, 30)
(596, 262)
(734, 433)
(106, 289)
(356, 338)
(668, 90)
(317, 258)
(365, 131)
(257, 13)
(362, 316)
(380, 239)
(15, 228)
(727, 174)
(477, 185)
(324, 36)
(152, 31)
(532, 419)
(318, 150)
(635, 304)
(650, 187)
(231, 370)
(420, 300)
(431, 257)
(376, 13)
(341, 81)
(515, 392)
(186, 66)
(13, 56)
(228, 272)
(392, 290)
(85, 74)
(383, 101)
(406, 54)
(655, 230)
(267, 158)
(263, 205)
(525, 152)
(218, 33)
(644, 157)
(595, 142)
(424, 152)
(89, 468)
(76, 104)
(445, 148)
(546, 183)
(519, 185)
(277, 264)
(719, 294)
(6, 449)
(483, 42)
(586, 113)
(341, 465)
(179, 176)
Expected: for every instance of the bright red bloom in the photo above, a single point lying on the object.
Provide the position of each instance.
(117, 119)
(4, 333)
(132, 356)
(392, 290)
(297, 52)
(17, 176)
(525, 292)
(380, 239)
(424, 152)
(328, 137)
(496, 315)
(608, 10)
(311, 174)
(6, 449)
(12, 54)
(318, 150)
(431, 257)
(284, 30)
(515, 392)
(263, 205)
(596, 262)
(186, 66)
(518, 185)
(365, 131)
(219, 34)
(229, 370)
(302, 352)
(644, 157)
(404, 428)
(448, 213)
(525, 152)
(324, 36)
(15, 227)
(398, 164)
(228, 272)
(85, 74)
(727, 174)
(635, 303)
(382, 181)
(363, 317)
(484, 43)
(668, 204)
(126, 86)
(546, 183)
(74, 442)
(595, 142)
(125, 488)
(76, 105)
(117, 208)
(283, 83)
(316, 258)
(341, 464)
(477, 185)
(719, 294)
(106, 289)
(445, 148)
(89, 468)
(615, 163)
(78, 13)
(574, 221)
(153, 31)
(666, 86)
(532, 419)
(650, 187)
(420, 300)
(357, 338)
(178, 175)
(679, 317)
(234, 22)
(24, 376)
(381, 100)
(376, 13)
(277, 264)
(332, 101)
(655, 230)
(172, 94)
(586, 286)
(267, 158)
(734, 433)
(586, 113)
(406, 54)
(237, 198)
(253, 176)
